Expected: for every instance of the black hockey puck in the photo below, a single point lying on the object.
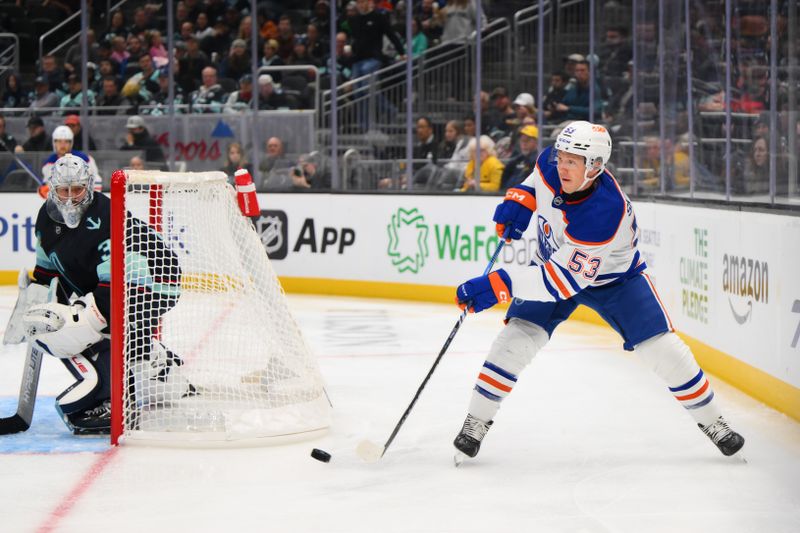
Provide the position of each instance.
(320, 455)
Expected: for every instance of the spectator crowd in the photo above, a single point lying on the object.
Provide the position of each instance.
(211, 67)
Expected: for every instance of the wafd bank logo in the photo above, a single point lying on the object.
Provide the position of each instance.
(408, 240)
(410, 236)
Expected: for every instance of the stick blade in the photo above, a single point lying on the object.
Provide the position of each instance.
(369, 452)
(13, 424)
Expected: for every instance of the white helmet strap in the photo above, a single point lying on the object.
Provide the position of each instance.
(591, 167)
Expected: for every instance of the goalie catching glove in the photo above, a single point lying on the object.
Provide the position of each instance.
(514, 214)
(484, 292)
(65, 330)
(30, 294)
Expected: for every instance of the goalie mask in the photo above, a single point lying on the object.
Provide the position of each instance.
(71, 191)
(591, 141)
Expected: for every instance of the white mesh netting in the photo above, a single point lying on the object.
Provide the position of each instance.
(211, 352)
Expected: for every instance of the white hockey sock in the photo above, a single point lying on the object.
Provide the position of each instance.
(493, 385)
(511, 352)
(672, 360)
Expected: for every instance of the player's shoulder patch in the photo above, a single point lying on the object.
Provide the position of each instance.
(595, 221)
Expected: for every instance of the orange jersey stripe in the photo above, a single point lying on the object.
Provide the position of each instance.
(494, 383)
(698, 392)
(561, 288)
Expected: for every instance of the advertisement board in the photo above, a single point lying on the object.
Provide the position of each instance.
(727, 278)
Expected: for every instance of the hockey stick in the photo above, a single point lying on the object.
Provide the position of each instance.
(21, 420)
(22, 164)
(370, 451)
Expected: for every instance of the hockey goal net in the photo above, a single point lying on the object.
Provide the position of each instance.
(204, 347)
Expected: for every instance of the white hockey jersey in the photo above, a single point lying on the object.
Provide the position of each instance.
(587, 243)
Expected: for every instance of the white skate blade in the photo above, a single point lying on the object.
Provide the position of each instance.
(369, 452)
(458, 458)
(738, 457)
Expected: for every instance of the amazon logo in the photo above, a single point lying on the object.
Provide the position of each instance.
(746, 282)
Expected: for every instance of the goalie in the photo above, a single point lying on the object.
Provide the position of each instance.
(73, 245)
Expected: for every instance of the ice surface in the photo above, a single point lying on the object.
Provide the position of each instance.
(588, 442)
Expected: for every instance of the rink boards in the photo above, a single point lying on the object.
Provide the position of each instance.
(727, 277)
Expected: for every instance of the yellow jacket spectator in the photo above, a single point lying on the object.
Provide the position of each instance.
(491, 169)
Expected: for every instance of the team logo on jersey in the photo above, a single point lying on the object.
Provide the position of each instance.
(547, 244)
(273, 227)
(92, 223)
(408, 240)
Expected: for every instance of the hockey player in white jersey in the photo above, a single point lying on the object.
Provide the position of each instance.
(587, 254)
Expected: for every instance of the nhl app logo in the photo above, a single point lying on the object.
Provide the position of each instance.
(273, 228)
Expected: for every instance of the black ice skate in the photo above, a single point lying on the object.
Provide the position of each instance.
(469, 440)
(94, 421)
(728, 441)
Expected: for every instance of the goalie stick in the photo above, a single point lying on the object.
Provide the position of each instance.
(21, 420)
(370, 451)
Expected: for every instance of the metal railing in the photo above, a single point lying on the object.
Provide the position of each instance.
(661, 91)
(61, 26)
(9, 53)
(443, 87)
(529, 59)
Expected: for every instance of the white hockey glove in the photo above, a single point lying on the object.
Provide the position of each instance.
(30, 294)
(65, 330)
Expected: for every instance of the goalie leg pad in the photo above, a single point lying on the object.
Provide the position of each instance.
(512, 350)
(83, 393)
(672, 360)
